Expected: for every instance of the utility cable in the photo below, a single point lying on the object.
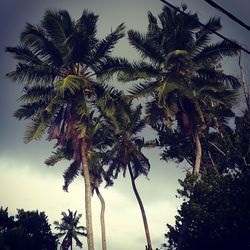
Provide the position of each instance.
(218, 7)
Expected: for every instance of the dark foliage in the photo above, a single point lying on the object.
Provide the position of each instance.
(28, 231)
(216, 213)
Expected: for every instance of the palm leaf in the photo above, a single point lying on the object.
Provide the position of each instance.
(144, 89)
(59, 27)
(105, 46)
(36, 94)
(33, 74)
(35, 130)
(216, 51)
(145, 47)
(56, 157)
(35, 39)
(203, 35)
(72, 83)
(207, 75)
(87, 26)
(140, 70)
(29, 110)
(70, 174)
(24, 54)
(109, 66)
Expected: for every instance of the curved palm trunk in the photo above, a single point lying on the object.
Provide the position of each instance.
(88, 193)
(102, 219)
(196, 171)
(143, 213)
(198, 153)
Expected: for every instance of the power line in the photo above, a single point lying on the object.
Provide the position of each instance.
(218, 7)
(204, 26)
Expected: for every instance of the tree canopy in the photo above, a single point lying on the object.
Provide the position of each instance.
(27, 230)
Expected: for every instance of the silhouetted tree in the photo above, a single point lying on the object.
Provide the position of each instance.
(57, 63)
(216, 212)
(215, 209)
(125, 150)
(181, 72)
(70, 230)
(29, 230)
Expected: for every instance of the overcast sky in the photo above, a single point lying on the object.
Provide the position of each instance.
(25, 182)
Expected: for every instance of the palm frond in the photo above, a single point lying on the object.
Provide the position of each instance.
(36, 94)
(105, 46)
(35, 130)
(78, 242)
(216, 51)
(144, 89)
(139, 70)
(203, 36)
(226, 97)
(29, 110)
(87, 26)
(145, 47)
(72, 83)
(153, 28)
(136, 119)
(110, 66)
(59, 27)
(70, 174)
(211, 75)
(24, 54)
(57, 156)
(140, 163)
(33, 74)
(36, 40)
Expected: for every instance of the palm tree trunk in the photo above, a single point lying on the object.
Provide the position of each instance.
(198, 153)
(143, 213)
(102, 219)
(85, 167)
(196, 171)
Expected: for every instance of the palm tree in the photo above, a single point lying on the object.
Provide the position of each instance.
(181, 72)
(124, 152)
(57, 63)
(69, 228)
(96, 147)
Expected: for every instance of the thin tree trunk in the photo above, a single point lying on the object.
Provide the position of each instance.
(102, 219)
(198, 153)
(143, 213)
(85, 167)
(196, 171)
(71, 244)
(243, 83)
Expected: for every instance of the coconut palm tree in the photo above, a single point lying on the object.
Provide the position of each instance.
(57, 64)
(96, 147)
(125, 148)
(69, 228)
(180, 71)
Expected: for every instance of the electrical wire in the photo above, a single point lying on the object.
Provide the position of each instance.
(234, 18)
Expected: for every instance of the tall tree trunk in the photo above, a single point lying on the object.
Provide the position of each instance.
(88, 194)
(71, 244)
(198, 152)
(196, 171)
(143, 213)
(102, 219)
